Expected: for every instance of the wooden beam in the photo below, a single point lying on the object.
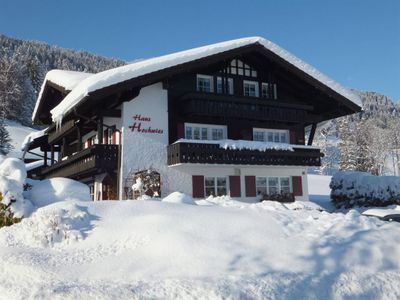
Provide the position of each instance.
(112, 113)
(312, 133)
(100, 129)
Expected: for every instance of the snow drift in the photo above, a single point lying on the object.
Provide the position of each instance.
(57, 189)
(151, 249)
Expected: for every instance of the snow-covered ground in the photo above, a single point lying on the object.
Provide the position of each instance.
(218, 248)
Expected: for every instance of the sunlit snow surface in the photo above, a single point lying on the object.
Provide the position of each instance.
(219, 248)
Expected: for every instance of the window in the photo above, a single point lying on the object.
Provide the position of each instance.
(224, 85)
(258, 136)
(90, 141)
(205, 131)
(261, 185)
(108, 135)
(269, 91)
(265, 90)
(250, 88)
(238, 67)
(271, 135)
(284, 184)
(205, 83)
(91, 191)
(217, 133)
(273, 185)
(215, 186)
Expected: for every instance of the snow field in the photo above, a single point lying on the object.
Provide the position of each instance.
(215, 249)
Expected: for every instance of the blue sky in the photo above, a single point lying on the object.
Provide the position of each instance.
(356, 42)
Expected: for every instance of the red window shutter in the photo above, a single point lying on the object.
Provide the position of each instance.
(297, 186)
(250, 182)
(198, 186)
(181, 131)
(293, 139)
(234, 186)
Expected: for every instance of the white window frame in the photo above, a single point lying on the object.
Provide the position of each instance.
(228, 81)
(267, 186)
(216, 186)
(256, 85)
(274, 132)
(271, 89)
(209, 128)
(206, 77)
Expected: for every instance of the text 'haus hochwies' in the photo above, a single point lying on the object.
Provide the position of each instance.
(224, 119)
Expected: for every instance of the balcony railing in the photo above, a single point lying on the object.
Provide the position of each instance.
(206, 153)
(203, 104)
(97, 158)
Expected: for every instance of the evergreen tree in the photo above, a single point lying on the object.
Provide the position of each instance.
(5, 140)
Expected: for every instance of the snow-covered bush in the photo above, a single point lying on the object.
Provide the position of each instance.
(13, 206)
(147, 182)
(48, 191)
(350, 189)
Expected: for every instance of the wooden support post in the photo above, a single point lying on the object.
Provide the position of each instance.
(64, 147)
(45, 158)
(52, 155)
(312, 133)
(79, 138)
(100, 129)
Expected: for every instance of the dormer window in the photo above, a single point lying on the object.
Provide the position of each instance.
(250, 88)
(205, 83)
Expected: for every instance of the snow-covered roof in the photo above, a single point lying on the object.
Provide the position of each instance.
(140, 68)
(65, 79)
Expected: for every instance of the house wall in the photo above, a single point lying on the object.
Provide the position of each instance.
(242, 171)
(144, 150)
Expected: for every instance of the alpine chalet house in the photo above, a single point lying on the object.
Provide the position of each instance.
(224, 119)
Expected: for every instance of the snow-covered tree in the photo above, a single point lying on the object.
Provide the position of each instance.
(347, 146)
(5, 140)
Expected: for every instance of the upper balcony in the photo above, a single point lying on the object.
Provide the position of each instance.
(93, 160)
(209, 104)
(242, 153)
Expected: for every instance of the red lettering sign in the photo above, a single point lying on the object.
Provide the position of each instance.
(137, 125)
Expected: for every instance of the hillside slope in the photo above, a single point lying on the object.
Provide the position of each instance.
(24, 64)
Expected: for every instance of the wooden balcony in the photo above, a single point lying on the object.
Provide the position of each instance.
(205, 104)
(93, 160)
(57, 134)
(199, 153)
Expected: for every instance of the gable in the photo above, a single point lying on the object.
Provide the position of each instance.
(137, 75)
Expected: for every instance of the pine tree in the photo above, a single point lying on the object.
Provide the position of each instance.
(5, 140)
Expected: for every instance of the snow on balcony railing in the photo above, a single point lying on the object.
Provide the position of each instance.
(248, 145)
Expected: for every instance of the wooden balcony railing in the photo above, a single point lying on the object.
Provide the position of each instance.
(203, 104)
(65, 129)
(96, 159)
(184, 152)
